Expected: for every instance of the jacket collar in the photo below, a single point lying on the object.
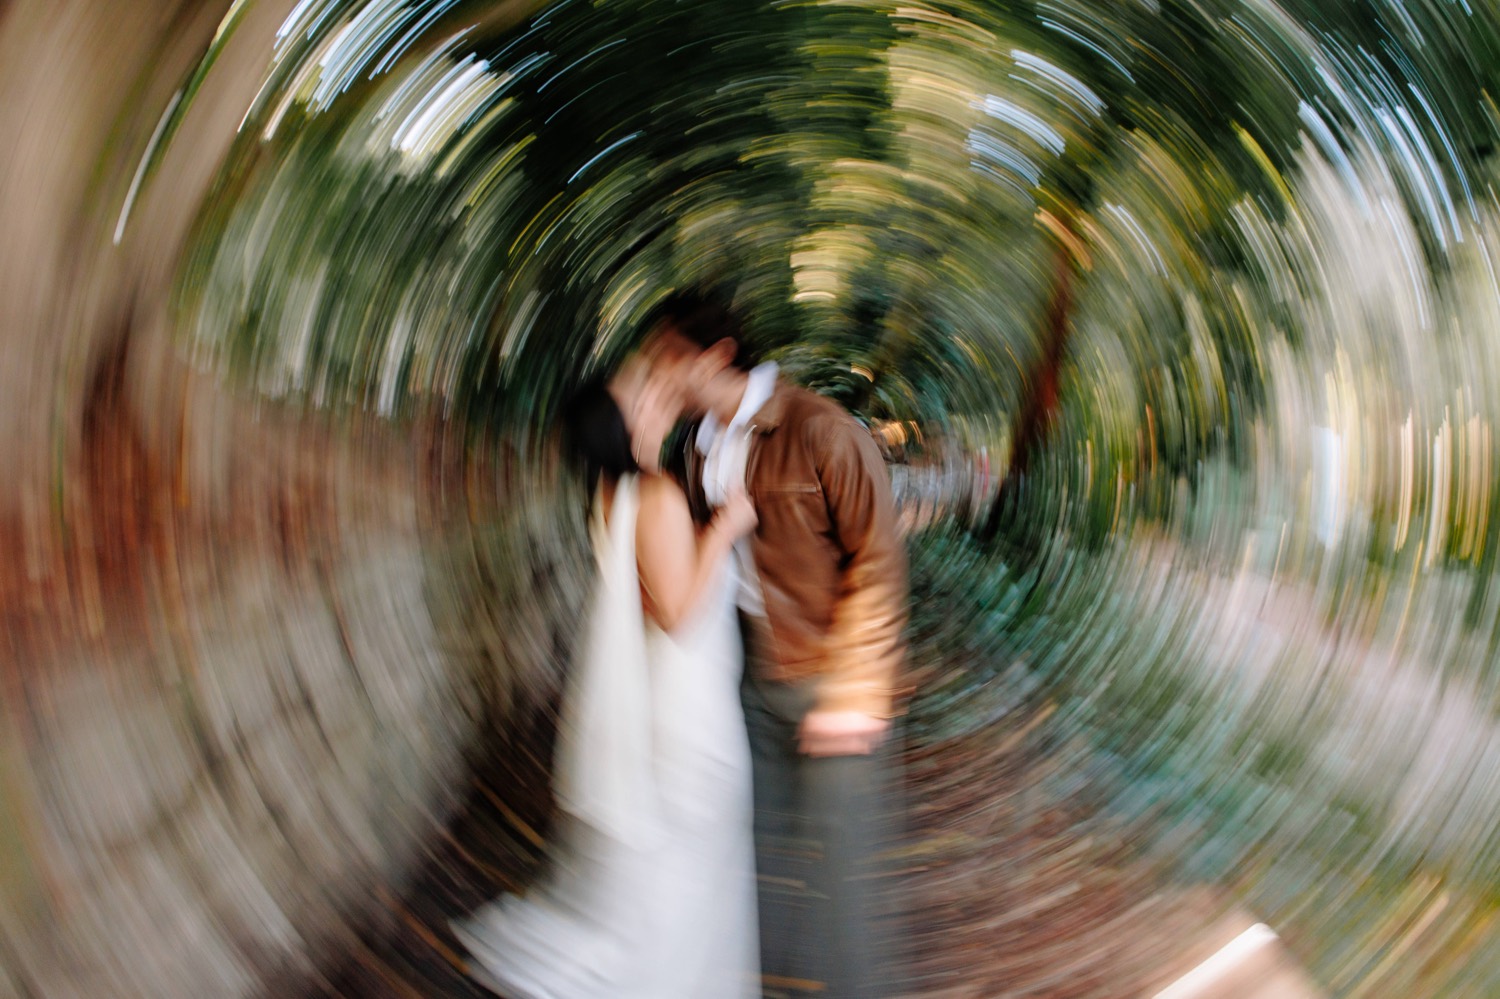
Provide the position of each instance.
(761, 387)
(773, 413)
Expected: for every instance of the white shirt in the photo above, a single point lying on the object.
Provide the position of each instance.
(725, 452)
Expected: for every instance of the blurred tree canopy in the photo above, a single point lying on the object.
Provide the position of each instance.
(1076, 238)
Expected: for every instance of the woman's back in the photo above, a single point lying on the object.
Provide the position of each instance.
(653, 889)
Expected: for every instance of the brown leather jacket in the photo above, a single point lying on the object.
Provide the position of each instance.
(830, 559)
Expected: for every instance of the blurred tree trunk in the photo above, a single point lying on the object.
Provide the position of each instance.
(1035, 417)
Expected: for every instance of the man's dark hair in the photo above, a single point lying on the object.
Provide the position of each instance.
(704, 317)
(594, 432)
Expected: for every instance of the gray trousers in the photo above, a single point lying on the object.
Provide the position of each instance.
(819, 825)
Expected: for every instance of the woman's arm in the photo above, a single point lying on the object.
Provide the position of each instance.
(678, 563)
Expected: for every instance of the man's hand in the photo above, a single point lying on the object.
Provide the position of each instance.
(840, 733)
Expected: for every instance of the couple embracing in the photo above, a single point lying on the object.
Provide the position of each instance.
(720, 765)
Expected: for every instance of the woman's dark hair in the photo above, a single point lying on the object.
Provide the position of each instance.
(594, 431)
(704, 317)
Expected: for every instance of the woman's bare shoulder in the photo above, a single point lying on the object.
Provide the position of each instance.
(662, 496)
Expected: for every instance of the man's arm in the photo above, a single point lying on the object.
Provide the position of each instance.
(865, 643)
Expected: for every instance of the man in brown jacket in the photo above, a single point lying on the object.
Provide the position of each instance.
(822, 594)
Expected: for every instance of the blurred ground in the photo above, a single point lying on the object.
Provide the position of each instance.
(1007, 887)
(1001, 892)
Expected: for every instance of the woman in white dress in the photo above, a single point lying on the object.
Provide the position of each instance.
(650, 892)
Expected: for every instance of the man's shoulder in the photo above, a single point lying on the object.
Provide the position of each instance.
(806, 407)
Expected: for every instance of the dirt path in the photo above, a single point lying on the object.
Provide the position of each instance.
(1005, 889)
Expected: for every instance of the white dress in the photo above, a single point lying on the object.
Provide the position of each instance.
(651, 892)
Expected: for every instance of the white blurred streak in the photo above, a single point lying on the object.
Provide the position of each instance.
(1440, 462)
(1198, 983)
(1003, 153)
(1064, 81)
(289, 374)
(1333, 151)
(1024, 121)
(293, 25)
(603, 153)
(1139, 237)
(1421, 170)
(141, 167)
(1408, 482)
(295, 91)
(396, 51)
(397, 343)
(1453, 158)
(1087, 43)
(1329, 458)
(416, 85)
(466, 87)
(354, 46)
(520, 326)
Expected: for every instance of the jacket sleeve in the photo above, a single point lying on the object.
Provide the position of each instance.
(866, 642)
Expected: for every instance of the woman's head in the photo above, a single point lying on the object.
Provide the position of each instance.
(621, 425)
(595, 433)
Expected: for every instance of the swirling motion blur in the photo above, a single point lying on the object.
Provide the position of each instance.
(1179, 322)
